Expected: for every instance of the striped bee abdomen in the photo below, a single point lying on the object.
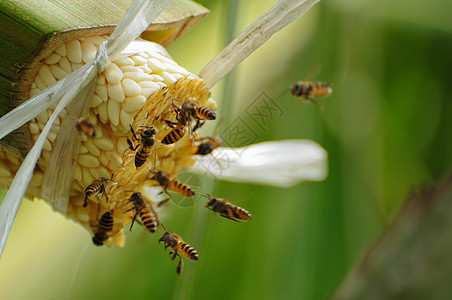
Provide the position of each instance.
(321, 89)
(173, 136)
(180, 188)
(188, 251)
(205, 113)
(105, 226)
(149, 219)
(239, 213)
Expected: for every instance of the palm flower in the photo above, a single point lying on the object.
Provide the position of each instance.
(117, 87)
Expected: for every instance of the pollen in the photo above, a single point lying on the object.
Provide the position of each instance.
(137, 91)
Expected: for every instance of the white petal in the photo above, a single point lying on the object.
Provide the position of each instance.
(279, 163)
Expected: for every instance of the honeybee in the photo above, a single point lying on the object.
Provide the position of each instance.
(177, 245)
(95, 188)
(184, 115)
(85, 126)
(147, 140)
(227, 210)
(146, 212)
(105, 228)
(173, 185)
(311, 89)
(208, 144)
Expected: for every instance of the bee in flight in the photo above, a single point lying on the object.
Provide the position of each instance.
(177, 246)
(146, 141)
(227, 210)
(184, 115)
(173, 185)
(311, 89)
(85, 126)
(143, 208)
(105, 228)
(208, 144)
(95, 188)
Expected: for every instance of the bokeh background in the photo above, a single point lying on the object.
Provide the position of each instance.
(386, 129)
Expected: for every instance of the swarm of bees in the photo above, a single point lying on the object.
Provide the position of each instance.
(136, 204)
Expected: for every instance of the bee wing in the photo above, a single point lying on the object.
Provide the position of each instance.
(279, 163)
(156, 194)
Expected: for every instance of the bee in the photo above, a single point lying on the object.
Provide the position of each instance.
(173, 185)
(177, 245)
(208, 144)
(85, 126)
(184, 115)
(227, 210)
(311, 89)
(105, 228)
(95, 188)
(147, 140)
(146, 212)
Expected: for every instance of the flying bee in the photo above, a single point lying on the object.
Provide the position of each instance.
(85, 126)
(173, 185)
(311, 89)
(177, 245)
(147, 214)
(208, 144)
(184, 115)
(146, 142)
(227, 210)
(95, 188)
(105, 228)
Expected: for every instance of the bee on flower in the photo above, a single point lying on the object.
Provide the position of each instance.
(133, 88)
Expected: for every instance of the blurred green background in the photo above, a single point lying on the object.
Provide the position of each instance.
(385, 128)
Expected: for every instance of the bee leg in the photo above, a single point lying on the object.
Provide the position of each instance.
(176, 109)
(133, 133)
(198, 125)
(315, 103)
(131, 147)
(179, 266)
(85, 201)
(163, 202)
(171, 124)
(133, 220)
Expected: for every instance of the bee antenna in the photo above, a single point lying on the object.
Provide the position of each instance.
(206, 195)
(163, 226)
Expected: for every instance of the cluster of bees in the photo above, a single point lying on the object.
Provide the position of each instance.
(145, 142)
(143, 211)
